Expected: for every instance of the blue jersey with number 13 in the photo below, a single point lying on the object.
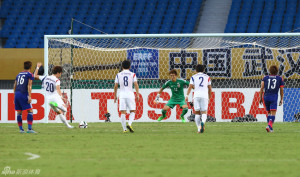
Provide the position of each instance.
(272, 85)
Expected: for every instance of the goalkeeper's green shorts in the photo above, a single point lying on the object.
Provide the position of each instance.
(172, 103)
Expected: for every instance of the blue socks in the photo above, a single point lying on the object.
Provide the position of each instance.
(19, 119)
(272, 118)
(29, 120)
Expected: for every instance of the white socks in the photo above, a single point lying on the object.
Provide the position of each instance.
(63, 119)
(131, 118)
(197, 120)
(204, 117)
(123, 121)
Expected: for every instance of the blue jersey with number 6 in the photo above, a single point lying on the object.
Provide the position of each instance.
(272, 85)
(22, 81)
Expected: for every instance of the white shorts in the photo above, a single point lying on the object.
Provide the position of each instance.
(58, 100)
(127, 103)
(200, 104)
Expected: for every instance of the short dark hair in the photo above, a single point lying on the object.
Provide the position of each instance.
(126, 64)
(57, 69)
(200, 68)
(273, 70)
(27, 65)
(173, 71)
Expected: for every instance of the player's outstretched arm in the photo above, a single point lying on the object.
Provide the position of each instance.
(281, 96)
(158, 95)
(36, 76)
(115, 92)
(136, 86)
(261, 92)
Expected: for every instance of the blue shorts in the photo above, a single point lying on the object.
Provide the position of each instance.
(270, 104)
(21, 102)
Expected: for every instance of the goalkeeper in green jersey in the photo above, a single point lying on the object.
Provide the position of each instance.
(176, 86)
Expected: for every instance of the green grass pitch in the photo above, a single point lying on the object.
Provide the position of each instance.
(157, 149)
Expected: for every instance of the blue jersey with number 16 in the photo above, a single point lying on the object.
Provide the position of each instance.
(272, 85)
(22, 81)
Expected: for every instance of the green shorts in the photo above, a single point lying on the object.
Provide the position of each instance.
(172, 103)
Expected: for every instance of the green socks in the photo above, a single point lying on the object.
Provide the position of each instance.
(184, 111)
(164, 113)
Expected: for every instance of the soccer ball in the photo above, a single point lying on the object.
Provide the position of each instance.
(83, 124)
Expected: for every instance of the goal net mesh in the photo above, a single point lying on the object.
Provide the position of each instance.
(236, 66)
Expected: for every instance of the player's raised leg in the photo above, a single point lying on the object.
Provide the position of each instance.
(184, 111)
(164, 113)
(58, 106)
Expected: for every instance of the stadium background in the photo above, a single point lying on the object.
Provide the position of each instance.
(24, 22)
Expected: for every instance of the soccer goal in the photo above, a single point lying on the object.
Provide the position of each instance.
(236, 64)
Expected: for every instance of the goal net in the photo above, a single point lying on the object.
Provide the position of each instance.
(236, 64)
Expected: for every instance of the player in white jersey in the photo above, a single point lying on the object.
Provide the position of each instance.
(202, 84)
(51, 84)
(126, 79)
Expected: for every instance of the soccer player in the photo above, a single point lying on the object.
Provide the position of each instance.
(53, 93)
(126, 79)
(202, 84)
(270, 86)
(176, 86)
(22, 93)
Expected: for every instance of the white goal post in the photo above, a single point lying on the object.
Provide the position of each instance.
(236, 63)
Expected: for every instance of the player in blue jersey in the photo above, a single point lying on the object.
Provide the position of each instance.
(22, 93)
(270, 86)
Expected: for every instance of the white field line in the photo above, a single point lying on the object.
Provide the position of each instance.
(32, 156)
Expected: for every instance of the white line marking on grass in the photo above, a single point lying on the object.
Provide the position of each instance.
(33, 156)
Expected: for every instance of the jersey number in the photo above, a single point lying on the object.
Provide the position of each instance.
(50, 87)
(201, 81)
(125, 79)
(21, 79)
(272, 83)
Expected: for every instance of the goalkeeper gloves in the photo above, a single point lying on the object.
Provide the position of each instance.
(157, 98)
